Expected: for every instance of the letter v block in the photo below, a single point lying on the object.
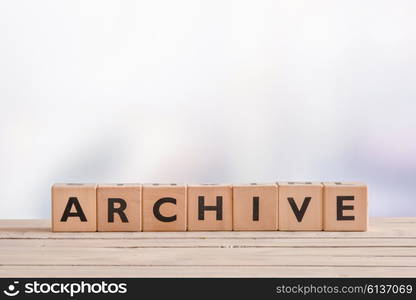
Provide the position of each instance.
(119, 207)
(74, 207)
(255, 206)
(300, 206)
(164, 207)
(345, 206)
(210, 207)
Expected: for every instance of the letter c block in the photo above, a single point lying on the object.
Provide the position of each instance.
(164, 207)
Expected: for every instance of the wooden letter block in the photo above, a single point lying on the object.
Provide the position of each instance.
(300, 206)
(345, 207)
(255, 207)
(119, 207)
(210, 207)
(164, 207)
(74, 207)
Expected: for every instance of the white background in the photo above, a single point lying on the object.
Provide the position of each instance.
(207, 91)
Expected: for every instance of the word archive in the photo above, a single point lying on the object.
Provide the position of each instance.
(286, 206)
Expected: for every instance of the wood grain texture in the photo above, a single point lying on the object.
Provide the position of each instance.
(29, 248)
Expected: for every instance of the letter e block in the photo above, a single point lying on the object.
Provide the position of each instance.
(119, 207)
(255, 207)
(300, 206)
(210, 207)
(345, 206)
(164, 207)
(74, 207)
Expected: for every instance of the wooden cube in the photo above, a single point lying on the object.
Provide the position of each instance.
(164, 207)
(210, 207)
(345, 206)
(119, 207)
(300, 206)
(74, 207)
(255, 207)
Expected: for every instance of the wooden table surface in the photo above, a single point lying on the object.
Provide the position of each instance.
(29, 249)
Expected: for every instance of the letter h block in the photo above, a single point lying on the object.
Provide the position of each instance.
(210, 207)
(74, 207)
(119, 207)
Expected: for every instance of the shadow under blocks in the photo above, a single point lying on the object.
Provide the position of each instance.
(284, 206)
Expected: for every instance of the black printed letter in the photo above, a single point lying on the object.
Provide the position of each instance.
(156, 210)
(120, 210)
(341, 207)
(79, 212)
(299, 213)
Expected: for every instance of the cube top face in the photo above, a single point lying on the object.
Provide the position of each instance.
(209, 207)
(164, 207)
(209, 185)
(74, 185)
(163, 185)
(74, 207)
(254, 184)
(346, 184)
(255, 207)
(345, 207)
(299, 183)
(119, 207)
(300, 207)
(119, 185)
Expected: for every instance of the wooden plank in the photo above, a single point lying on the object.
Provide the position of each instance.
(29, 248)
(207, 257)
(213, 243)
(197, 271)
(40, 229)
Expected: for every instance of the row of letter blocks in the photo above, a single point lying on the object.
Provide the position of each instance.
(289, 206)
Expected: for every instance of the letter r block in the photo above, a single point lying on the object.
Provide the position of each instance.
(300, 206)
(210, 207)
(74, 207)
(164, 207)
(345, 206)
(119, 207)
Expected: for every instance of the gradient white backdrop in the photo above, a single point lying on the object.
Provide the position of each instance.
(207, 91)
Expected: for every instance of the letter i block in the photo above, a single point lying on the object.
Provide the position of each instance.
(74, 207)
(255, 207)
(164, 207)
(345, 206)
(119, 207)
(210, 207)
(300, 206)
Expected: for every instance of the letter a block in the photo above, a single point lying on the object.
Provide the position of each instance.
(345, 206)
(119, 207)
(74, 207)
(300, 206)
(255, 206)
(164, 207)
(210, 207)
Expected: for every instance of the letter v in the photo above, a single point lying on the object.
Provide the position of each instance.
(299, 213)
